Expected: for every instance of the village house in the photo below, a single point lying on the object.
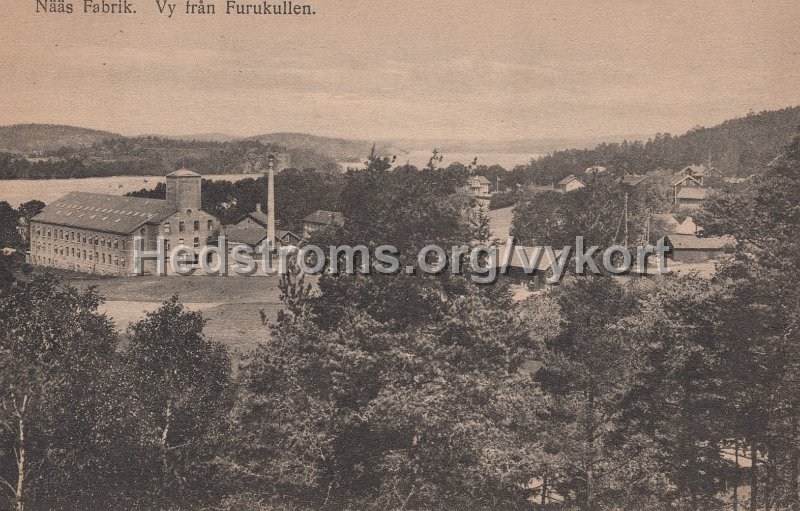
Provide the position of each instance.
(686, 180)
(320, 220)
(570, 184)
(536, 280)
(690, 248)
(94, 233)
(701, 173)
(254, 218)
(478, 185)
(254, 236)
(687, 191)
(690, 197)
(253, 228)
(632, 180)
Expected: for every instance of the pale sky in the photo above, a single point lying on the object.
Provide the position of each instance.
(377, 69)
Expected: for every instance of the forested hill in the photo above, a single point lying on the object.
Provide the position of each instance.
(156, 156)
(38, 138)
(339, 148)
(738, 147)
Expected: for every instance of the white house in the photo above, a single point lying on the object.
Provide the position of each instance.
(570, 184)
(478, 185)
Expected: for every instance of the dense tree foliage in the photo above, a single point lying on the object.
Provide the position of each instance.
(598, 212)
(738, 147)
(60, 422)
(14, 238)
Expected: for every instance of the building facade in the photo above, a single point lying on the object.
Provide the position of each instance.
(690, 198)
(570, 184)
(690, 248)
(478, 186)
(94, 233)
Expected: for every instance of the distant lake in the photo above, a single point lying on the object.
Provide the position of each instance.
(420, 159)
(18, 191)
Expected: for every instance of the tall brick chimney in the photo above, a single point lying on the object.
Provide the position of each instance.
(271, 201)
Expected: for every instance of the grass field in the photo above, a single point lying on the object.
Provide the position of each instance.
(500, 220)
(231, 305)
(190, 289)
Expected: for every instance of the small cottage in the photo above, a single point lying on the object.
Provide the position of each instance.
(570, 184)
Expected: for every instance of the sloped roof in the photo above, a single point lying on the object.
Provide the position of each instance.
(569, 179)
(283, 234)
(325, 217)
(249, 235)
(252, 235)
(686, 227)
(700, 170)
(101, 212)
(183, 173)
(681, 179)
(691, 242)
(481, 179)
(259, 216)
(632, 179)
(697, 170)
(692, 193)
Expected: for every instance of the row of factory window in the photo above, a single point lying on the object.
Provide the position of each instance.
(182, 226)
(78, 237)
(181, 241)
(75, 267)
(167, 244)
(98, 257)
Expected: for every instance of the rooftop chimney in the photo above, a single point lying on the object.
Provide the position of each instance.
(271, 201)
(258, 207)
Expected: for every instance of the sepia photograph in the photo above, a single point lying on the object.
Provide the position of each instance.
(399, 255)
